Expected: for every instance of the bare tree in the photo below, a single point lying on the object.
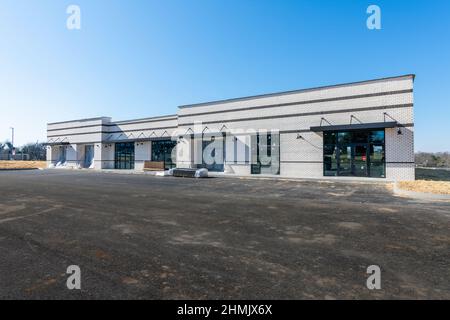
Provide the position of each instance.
(6, 149)
(36, 151)
(436, 160)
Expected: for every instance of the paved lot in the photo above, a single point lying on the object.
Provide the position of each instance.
(137, 236)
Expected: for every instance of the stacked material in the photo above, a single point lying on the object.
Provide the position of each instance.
(190, 173)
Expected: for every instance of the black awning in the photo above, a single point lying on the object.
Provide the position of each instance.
(356, 126)
(137, 140)
(56, 143)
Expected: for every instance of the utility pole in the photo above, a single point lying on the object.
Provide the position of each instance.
(12, 136)
(12, 143)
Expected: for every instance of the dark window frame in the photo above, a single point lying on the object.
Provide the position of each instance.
(164, 145)
(352, 144)
(255, 168)
(124, 155)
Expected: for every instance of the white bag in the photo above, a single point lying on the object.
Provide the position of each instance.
(201, 173)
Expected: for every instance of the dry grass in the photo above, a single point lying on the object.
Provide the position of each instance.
(22, 164)
(437, 187)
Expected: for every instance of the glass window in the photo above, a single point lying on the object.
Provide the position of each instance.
(360, 136)
(377, 161)
(377, 153)
(377, 136)
(266, 151)
(213, 147)
(124, 155)
(344, 137)
(62, 154)
(345, 160)
(329, 137)
(275, 153)
(354, 153)
(162, 151)
(330, 160)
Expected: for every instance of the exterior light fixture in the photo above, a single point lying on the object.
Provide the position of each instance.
(299, 136)
(399, 131)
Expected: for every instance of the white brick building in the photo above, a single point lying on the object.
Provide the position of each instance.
(363, 129)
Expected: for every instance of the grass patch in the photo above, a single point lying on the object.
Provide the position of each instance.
(437, 187)
(11, 165)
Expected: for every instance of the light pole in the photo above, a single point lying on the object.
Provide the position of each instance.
(12, 143)
(12, 136)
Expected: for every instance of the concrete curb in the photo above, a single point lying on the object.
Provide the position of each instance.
(318, 180)
(19, 169)
(420, 195)
(233, 176)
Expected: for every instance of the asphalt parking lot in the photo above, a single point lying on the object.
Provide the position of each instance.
(145, 237)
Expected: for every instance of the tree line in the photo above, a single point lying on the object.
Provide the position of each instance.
(34, 151)
(435, 160)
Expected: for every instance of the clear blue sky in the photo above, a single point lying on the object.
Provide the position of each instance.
(134, 59)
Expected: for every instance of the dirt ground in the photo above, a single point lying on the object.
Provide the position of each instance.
(22, 164)
(147, 237)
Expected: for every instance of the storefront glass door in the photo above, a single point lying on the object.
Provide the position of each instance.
(124, 155)
(354, 153)
(88, 155)
(359, 160)
(162, 151)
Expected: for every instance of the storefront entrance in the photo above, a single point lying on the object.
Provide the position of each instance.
(354, 153)
(88, 155)
(353, 160)
(213, 152)
(124, 155)
(162, 151)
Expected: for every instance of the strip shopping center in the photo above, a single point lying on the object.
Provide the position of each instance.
(363, 129)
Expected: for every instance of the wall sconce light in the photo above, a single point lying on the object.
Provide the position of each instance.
(299, 136)
(399, 131)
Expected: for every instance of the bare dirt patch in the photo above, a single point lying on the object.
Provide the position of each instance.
(22, 165)
(436, 187)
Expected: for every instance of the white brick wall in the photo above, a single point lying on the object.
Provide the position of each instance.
(395, 84)
(330, 106)
(142, 153)
(400, 172)
(301, 157)
(301, 170)
(307, 148)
